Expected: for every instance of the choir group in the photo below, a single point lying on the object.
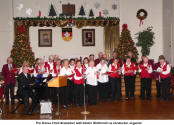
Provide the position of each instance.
(101, 78)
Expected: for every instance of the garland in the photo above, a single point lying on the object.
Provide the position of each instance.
(62, 22)
(141, 18)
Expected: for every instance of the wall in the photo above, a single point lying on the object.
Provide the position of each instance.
(6, 30)
(74, 47)
(128, 10)
(65, 49)
(167, 27)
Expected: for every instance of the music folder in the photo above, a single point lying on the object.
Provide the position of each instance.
(57, 82)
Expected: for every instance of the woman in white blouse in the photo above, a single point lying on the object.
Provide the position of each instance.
(65, 91)
(103, 79)
(91, 82)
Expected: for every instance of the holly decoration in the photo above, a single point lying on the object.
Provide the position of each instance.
(141, 17)
(52, 11)
(91, 14)
(21, 50)
(82, 11)
(126, 44)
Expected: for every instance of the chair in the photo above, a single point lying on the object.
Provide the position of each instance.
(20, 101)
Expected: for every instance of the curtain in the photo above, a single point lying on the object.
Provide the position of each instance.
(111, 39)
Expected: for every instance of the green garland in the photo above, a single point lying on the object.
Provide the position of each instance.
(65, 18)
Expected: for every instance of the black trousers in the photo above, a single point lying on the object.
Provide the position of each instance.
(26, 96)
(9, 89)
(70, 92)
(129, 86)
(115, 88)
(79, 94)
(92, 94)
(146, 84)
(166, 88)
(64, 95)
(103, 91)
(158, 88)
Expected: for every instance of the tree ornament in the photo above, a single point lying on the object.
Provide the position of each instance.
(29, 11)
(91, 14)
(141, 17)
(97, 5)
(105, 12)
(82, 11)
(52, 11)
(114, 6)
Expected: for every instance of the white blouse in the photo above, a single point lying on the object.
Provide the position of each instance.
(102, 69)
(65, 71)
(91, 77)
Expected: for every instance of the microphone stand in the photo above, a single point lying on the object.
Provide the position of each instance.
(84, 106)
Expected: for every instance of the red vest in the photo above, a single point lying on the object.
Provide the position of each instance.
(113, 68)
(144, 71)
(36, 68)
(48, 66)
(56, 71)
(79, 74)
(132, 68)
(164, 69)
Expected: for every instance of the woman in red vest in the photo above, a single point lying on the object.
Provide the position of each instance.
(78, 84)
(165, 78)
(145, 70)
(115, 79)
(129, 71)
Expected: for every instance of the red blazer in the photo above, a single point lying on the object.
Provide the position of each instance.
(9, 78)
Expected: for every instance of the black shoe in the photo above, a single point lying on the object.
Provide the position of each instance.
(28, 113)
(12, 103)
(7, 103)
(64, 106)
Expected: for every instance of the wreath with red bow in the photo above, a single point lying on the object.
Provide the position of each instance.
(141, 17)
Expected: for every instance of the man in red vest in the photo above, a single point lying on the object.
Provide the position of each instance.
(165, 78)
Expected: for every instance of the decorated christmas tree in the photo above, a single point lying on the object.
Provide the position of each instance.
(21, 50)
(82, 11)
(126, 44)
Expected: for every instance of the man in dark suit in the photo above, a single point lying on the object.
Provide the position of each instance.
(25, 82)
(97, 61)
(9, 79)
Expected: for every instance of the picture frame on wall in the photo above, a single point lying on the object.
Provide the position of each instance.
(88, 37)
(45, 38)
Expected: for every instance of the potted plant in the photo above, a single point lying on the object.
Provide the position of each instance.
(145, 40)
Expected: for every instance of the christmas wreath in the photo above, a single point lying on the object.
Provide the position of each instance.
(141, 17)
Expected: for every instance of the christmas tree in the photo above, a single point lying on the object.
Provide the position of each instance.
(21, 50)
(91, 14)
(82, 11)
(126, 44)
(52, 11)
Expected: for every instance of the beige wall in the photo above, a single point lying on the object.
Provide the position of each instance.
(126, 11)
(6, 30)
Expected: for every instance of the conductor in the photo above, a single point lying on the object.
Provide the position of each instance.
(25, 82)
